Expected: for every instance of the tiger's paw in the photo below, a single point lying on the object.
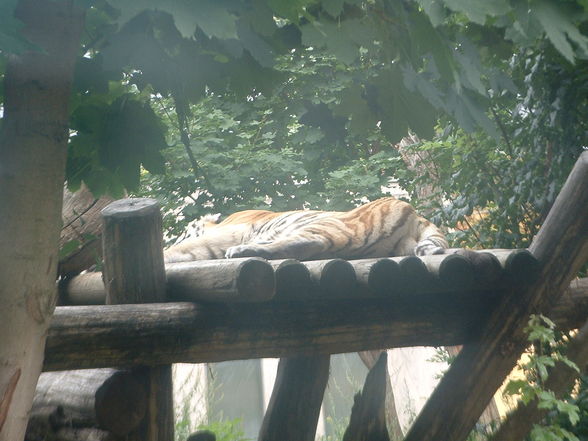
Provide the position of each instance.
(247, 250)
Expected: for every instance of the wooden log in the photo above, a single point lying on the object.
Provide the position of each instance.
(292, 280)
(370, 359)
(134, 273)
(133, 252)
(561, 247)
(570, 310)
(202, 435)
(334, 278)
(454, 272)
(250, 279)
(85, 289)
(76, 399)
(368, 414)
(295, 404)
(130, 335)
(231, 280)
(68, 434)
(376, 276)
(414, 276)
(487, 268)
(561, 381)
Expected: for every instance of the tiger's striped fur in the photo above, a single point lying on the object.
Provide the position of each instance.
(382, 228)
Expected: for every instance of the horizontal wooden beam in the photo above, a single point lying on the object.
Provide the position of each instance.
(150, 334)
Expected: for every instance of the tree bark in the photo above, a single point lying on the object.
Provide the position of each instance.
(33, 146)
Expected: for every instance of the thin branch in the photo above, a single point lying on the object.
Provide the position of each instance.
(185, 137)
(502, 130)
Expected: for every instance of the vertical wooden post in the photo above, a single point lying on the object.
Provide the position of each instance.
(134, 273)
(295, 404)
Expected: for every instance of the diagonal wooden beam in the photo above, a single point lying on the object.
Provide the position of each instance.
(561, 246)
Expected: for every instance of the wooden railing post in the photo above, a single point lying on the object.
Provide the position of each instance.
(134, 273)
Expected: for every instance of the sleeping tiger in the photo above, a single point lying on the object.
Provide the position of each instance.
(382, 228)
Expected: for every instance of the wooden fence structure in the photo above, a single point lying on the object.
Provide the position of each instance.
(141, 316)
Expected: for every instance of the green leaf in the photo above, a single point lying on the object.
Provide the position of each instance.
(11, 39)
(559, 27)
(478, 10)
(333, 7)
(69, 248)
(339, 39)
(212, 16)
(257, 47)
(469, 61)
(434, 9)
(289, 9)
(354, 106)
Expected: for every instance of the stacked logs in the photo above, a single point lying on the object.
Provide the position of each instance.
(256, 280)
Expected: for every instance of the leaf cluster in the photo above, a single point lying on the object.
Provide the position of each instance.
(549, 350)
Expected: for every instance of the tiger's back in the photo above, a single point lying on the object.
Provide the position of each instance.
(382, 228)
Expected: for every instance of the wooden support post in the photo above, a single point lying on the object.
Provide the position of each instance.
(134, 273)
(561, 247)
(295, 404)
(368, 415)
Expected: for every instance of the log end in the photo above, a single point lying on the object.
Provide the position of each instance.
(292, 280)
(456, 272)
(121, 403)
(338, 279)
(256, 280)
(414, 275)
(383, 276)
(130, 207)
(522, 266)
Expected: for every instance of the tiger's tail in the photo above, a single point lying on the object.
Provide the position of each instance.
(430, 239)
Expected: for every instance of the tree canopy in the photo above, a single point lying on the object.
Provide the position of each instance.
(233, 104)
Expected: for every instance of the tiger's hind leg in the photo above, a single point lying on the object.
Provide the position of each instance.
(429, 246)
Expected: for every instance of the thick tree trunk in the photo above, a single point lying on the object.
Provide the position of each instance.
(33, 146)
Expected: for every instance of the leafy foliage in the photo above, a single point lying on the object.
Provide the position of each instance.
(399, 66)
(549, 349)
